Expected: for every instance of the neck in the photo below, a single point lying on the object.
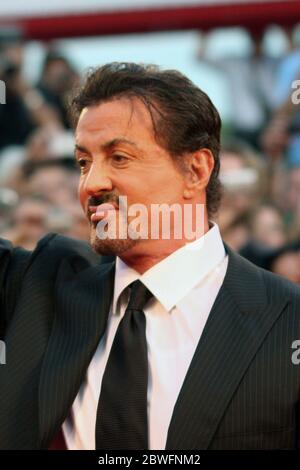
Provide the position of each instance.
(147, 253)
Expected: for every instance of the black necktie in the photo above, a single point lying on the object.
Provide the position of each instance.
(122, 408)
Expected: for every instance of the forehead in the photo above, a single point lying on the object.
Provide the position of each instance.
(117, 118)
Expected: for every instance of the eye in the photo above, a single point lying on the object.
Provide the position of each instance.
(119, 159)
(82, 163)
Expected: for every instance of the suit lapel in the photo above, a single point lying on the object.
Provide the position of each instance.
(237, 325)
(82, 302)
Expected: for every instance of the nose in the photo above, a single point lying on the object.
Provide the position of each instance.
(97, 180)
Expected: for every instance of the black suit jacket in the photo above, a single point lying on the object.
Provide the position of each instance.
(241, 391)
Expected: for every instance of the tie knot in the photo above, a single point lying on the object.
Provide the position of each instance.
(139, 295)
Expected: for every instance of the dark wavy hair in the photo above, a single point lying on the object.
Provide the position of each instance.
(184, 118)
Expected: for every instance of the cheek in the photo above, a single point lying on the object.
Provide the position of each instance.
(81, 193)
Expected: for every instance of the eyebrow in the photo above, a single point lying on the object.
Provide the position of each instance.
(121, 140)
(110, 144)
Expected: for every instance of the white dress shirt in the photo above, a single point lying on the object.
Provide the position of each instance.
(185, 286)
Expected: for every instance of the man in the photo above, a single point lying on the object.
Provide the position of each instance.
(180, 343)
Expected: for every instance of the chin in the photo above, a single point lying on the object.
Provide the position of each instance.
(109, 247)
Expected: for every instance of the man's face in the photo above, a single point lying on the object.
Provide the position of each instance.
(119, 156)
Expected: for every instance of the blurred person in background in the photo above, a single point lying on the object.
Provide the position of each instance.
(267, 226)
(48, 176)
(285, 261)
(78, 227)
(56, 182)
(250, 80)
(267, 232)
(244, 180)
(16, 122)
(291, 203)
(45, 146)
(53, 181)
(28, 223)
(281, 138)
(34, 216)
(58, 79)
(25, 108)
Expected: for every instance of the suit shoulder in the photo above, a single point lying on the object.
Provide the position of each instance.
(275, 285)
(274, 282)
(254, 286)
(271, 280)
(12, 259)
(55, 247)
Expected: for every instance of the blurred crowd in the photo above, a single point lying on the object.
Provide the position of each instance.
(38, 175)
(260, 157)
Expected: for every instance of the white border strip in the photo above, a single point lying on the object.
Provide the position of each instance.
(31, 8)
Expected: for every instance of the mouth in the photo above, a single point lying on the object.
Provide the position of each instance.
(97, 213)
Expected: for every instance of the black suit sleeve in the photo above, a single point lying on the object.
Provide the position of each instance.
(13, 262)
(13, 265)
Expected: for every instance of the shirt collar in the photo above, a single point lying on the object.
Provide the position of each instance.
(171, 279)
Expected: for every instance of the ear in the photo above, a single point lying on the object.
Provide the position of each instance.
(199, 167)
